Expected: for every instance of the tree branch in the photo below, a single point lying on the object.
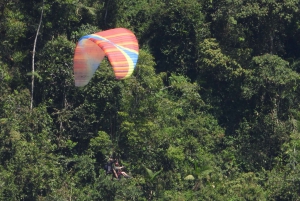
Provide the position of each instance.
(33, 54)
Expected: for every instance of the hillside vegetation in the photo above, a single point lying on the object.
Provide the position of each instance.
(211, 111)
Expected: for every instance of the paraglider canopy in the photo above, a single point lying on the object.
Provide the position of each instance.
(119, 45)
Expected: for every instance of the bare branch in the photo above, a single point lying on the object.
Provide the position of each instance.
(33, 54)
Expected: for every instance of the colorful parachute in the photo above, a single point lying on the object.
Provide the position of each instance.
(119, 45)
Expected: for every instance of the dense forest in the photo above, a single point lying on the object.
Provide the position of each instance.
(211, 111)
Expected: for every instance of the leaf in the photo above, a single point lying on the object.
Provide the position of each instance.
(3, 121)
(189, 177)
(152, 175)
(35, 74)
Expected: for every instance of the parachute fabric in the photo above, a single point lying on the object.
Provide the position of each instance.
(119, 45)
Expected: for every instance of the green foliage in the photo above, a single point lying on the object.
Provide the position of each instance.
(101, 143)
(14, 24)
(175, 45)
(176, 154)
(211, 111)
(151, 174)
(269, 87)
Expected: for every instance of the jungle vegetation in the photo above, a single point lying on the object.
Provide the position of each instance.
(211, 112)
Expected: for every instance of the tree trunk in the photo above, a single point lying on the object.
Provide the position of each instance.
(33, 54)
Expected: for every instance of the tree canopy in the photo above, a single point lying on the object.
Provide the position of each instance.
(211, 111)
